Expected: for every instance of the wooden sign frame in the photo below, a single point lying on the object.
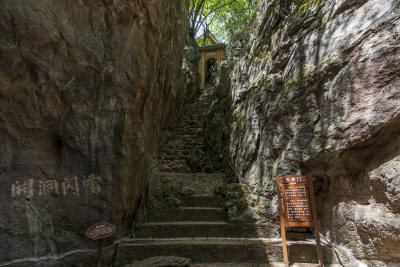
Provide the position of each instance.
(303, 220)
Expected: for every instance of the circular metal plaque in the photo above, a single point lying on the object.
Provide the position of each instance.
(100, 231)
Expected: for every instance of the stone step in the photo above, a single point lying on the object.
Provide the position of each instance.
(195, 129)
(173, 151)
(188, 133)
(185, 148)
(195, 111)
(202, 201)
(183, 153)
(195, 115)
(191, 214)
(195, 121)
(165, 169)
(169, 157)
(174, 144)
(186, 140)
(171, 165)
(181, 157)
(174, 168)
(185, 131)
(199, 106)
(202, 102)
(175, 229)
(206, 101)
(270, 264)
(192, 138)
(173, 162)
(237, 250)
(184, 143)
(196, 124)
(204, 186)
(181, 145)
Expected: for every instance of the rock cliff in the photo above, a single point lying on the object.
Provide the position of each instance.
(190, 67)
(86, 88)
(314, 88)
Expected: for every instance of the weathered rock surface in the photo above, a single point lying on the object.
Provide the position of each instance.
(317, 92)
(85, 87)
(190, 68)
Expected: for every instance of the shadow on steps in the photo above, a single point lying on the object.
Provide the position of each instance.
(213, 240)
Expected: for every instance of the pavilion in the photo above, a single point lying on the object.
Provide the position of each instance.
(211, 55)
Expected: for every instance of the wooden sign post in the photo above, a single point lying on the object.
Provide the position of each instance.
(297, 208)
(99, 231)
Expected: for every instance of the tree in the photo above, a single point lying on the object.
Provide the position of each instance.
(233, 19)
(223, 17)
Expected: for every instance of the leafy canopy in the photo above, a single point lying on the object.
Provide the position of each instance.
(224, 18)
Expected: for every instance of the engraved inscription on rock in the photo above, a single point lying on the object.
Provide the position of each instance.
(296, 202)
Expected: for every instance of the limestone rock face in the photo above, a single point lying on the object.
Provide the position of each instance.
(85, 89)
(190, 68)
(316, 90)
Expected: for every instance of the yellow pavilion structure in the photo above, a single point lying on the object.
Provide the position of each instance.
(211, 56)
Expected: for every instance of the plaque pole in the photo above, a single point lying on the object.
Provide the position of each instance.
(282, 223)
(315, 221)
(99, 252)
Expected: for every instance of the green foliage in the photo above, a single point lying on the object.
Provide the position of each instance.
(202, 42)
(223, 17)
(233, 19)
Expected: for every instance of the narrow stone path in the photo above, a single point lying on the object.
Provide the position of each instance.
(189, 137)
(198, 227)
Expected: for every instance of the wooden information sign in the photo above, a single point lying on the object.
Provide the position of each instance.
(297, 208)
(99, 231)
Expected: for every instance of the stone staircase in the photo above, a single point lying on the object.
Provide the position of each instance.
(198, 229)
(188, 143)
(197, 226)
